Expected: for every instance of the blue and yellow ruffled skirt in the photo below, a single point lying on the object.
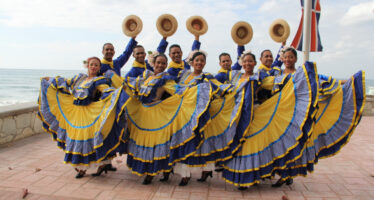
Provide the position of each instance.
(87, 134)
(279, 129)
(339, 113)
(168, 131)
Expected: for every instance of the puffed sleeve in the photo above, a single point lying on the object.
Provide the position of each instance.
(170, 87)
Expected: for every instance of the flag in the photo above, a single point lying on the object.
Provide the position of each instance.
(315, 39)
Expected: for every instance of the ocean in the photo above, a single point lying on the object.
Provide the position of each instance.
(22, 85)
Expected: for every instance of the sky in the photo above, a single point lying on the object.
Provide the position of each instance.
(56, 34)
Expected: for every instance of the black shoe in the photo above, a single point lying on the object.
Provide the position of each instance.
(219, 169)
(166, 176)
(80, 174)
(280, 182)
(147, 180)
(242, 188)
(289, 181)
(184, 181)
(100, 170)
(205, 175)
(110, 167)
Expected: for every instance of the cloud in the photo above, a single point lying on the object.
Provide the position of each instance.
(58, 33)
(98, 14)
(53, 55)
(359, 13)
(268, 6)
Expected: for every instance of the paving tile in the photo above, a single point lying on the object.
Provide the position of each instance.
(344, 176)
(225, 194)
(133, 195)
(294, 195)
(359, 187)
(340, 189)
(14, 184)
(217, 185)
(317, 187)
(221, 198)
(100, 183)
(67, 190)
(6, 195)
(319, 194)
(355, 180)
(191, 187)
(83, 193)
(247, 198)
(198, 196)
(46, 190)
(51, 197)
(356, 198)
(270, 194)
(19, 176)
(359, 192)
(46, 180)
(252, 192)
(298, 186)
(164, 198)
(106, 195)
(181, 195)
(322, 178)
(336, 178)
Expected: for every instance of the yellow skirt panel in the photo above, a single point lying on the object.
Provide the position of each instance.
(80, 122)
(329, 116)
(258, 139)
(152, 125)
(221, 115)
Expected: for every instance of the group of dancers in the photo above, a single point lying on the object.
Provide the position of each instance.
(171, 116)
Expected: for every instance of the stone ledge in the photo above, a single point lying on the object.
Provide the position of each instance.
(16, 109)
(19, 121)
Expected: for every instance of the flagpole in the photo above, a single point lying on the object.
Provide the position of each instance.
(306, 28)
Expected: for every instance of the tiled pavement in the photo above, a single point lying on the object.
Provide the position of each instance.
(36, 164)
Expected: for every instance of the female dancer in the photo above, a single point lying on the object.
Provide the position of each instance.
(339, 112)
(190, 79)
(278, 131)
(80, 114)
(164, 120)
(230, 112)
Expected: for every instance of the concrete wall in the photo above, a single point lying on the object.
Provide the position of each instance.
(369, 105)
(19, 121)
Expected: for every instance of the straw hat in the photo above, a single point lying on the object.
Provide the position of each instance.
(197, 25)
(166, 25)
(132, 25)
(279, 30)
(242, 33)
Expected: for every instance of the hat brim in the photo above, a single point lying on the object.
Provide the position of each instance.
(132, 25)
(243, 28)
(198, 20)
(166, 25)
(279, 30)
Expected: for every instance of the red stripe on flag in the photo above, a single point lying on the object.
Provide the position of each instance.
(313, 35)
(296, 41)
(318, 6)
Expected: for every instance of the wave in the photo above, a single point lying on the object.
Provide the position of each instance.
(12, 102)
